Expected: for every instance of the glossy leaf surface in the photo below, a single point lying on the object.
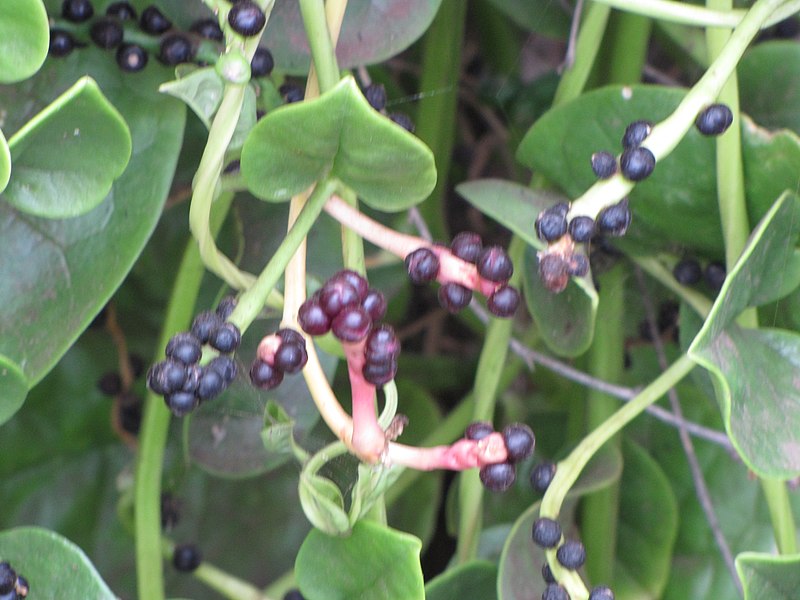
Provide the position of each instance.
(476, 579)
(200, 89)
(769, 84)
(24, 38)
(769, 577)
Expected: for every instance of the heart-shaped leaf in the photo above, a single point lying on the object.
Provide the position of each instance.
(201, 90)
(475, 579)
(5, 162)
(754, 369)
(769, 577)
(373, 563)
(340, 135)
(67, 157)
(769, 84)
(24, 38)
(54, 566)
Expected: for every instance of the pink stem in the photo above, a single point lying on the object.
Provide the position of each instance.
(369, 440)
(463, 454)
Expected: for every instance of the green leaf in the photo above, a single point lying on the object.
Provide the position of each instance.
(5, 162)
(769, 577)
(754, 370)
(67, 157)
(769, 84)
(277, 432)
(475, 579)
(565, 320)
(24, 39)
(54, 566)
(14, 386)
(542, 16)
(323, 504)
(373, 563)
(337, 135)
(201, 90)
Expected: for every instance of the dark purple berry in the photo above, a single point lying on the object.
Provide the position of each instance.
(637, 163)
(186, 557)
(110, 384)
(636, 133)
(519, 441)
(262, 63)
(553, 591)
(551, 223)
(581, 228)
(379, 374)
(356, 280)
(541, 476)
(225, 366)
(265, 376)
(571, 554)
(246, 18)
(184, 347)
(205, 324)
(291, 357)
(382, 345)
(714, 119)
(601, 592)
(478, 430)
(547, 574)
(8, 577)
(175, 49)
(375, 304)
(503, 302)
(193, 374)
(61, 43)
(312, 318)
(208, 29)
(403, 120)
(578, 265)
(77, 11)
(454, 296)
(293, 595)
(422, 265)
(106, 33)
(498, 477)
(375, 94)
(494, 264)
(467, 246)
(687, 272)
(546, 532)
(211, 384)
(352, 324)
(290, 336)
(131, 58)
(166, 376)
(226, 306)
(604, 164)
(153, 21)
(226, 338)
(715, 274)
(291, 93)
(337, 294)
(615, 219)
(181, 403)
(122, 11)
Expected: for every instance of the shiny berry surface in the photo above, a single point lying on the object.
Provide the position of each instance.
(291, 357)
(211, 384)
(265, 376)
(226, 338)
(478, 430)
(494, 264)
(122, 11)
(374, 303)
(498, 477)
(61, 43)
(246, 18)
(467, 246)
(337, 294)
(262, 63)
(687, 272)
(225, 366)
(615, 219)
(312, 318)
(503, 302)
(375, 94)
(601, 592)
(184, 347)
(571, 554)
(546, 532)
(422, 265)
(131, 58)
(454, 297)
(153, 21)
(519, 440)
(636, 133)
(714, 120)
(352, 324)
(181, 403)
(553, 591)
(175, 49)
(551, 223)
(186, 557)
(382, 344)
(637, 164)
(77, 11)
(581, 228)
(379, 374)
(604, 164)
(106, 33)
(541, 476)
(208, 29)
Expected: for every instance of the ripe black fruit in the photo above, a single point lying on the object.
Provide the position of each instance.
(356, 280)
(205, 325)
(467, 246)
(61, 43)
(454, 296)
(375, 94)
(290, 336)
(503, 302)
(422, 265)
(601, 592)
(290, 357)
(208, 29)
(687, 272)
(312, 318)
(519, 440)
(131, 58)
(175, 49)
(581, 228)
(166, 376)
(106, 33)
(184, 347)
(715, 274)
(153, 21)
(181, 403)
(382, 344)
(227, 338)
(352, 324)
(615, 219)
(186, 557)
(265, 376)
(541, 476)
(77, 11)
(498, 477)
(122, 11)
(379, 374)
(246, 18)
(293, 595)
(478, 430)
(553, 591)
(571, 554)
(210, 385)
(226, 306)
(225, 366)
(494, 264)
(551, 223)
(637, 164)
(291, 92)
(604, 164)
(546, 532)
(8, 577)
(336, 295)
(375, 304)
(714, 120)
(262, 63)
(403, 120)
(636, 133)
(547, 574)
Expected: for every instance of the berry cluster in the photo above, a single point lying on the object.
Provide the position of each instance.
(519, 442)
(688, 271)
(12, 585)
(493, 269)
(278, 354)
(180, 378)
(375, 94)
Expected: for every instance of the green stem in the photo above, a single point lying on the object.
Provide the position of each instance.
(689, 14)
(630, 38)
(320, 43)
(780, 512)
(436, 115)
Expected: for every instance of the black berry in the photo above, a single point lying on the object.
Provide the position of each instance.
(210, 385)
(185, 348)
(291, 92)
(615, 219)
(467, 246)
(687, 272)
(290, 357)
(293, 595)
(498, 477)
(110, 384)
(547, 574)
(186, 557)
(546, 532)
(636, 133)
(8, 577)
(232, 167)
(714, 275)
(153, 21)
(225, 366)
(379, 374)
(61, 43)
(551, 223)
(503, 302)
(382, 345)
(578, 265)
(106, 33)
(265, 376)
(637, 163)
(494, 264)
(290, 336)
(181, 403)
(519, 440)
(208, 29)
(205, 325)
(374, 303)
(554, 272)
(454, 296)
(601, 592)
(356, 280)
(312, 318)
(131, 58)
(571, 554)
(352, 324)
(77, 11)
(375, 94)
(337, 294)
(581, 228)
(166, 376)
(175, 49)
(226, 339)
(193, 373)
(422, 265)
(122, 11)
(714, 120)
(246, 18)
(541, 476)
(604, 164)
(226, 306)
(478, 430)
(553, 591)
(403, 120)
(262, 63)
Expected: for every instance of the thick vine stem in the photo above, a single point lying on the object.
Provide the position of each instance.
(368, 440)
(459, 456)
(691, 14)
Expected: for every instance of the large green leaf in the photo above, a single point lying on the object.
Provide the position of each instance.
(754, 370)
(24, 38)
(373, 563)
(338, 134)
(201, 90)
(67, 157)
(542, 16)
(769, 577)
(54, 566)
(769, 84)
(5, 162)
(476, 579)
